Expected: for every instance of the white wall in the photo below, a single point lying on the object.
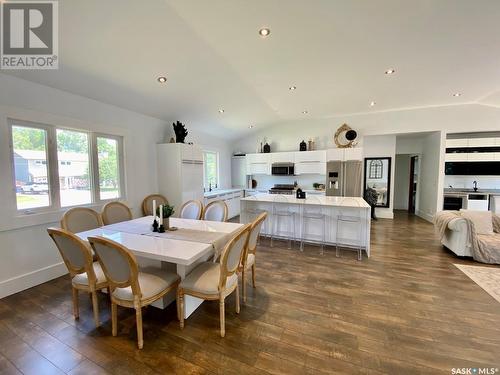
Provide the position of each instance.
(402, 182)
(483, 182)
(28, 256)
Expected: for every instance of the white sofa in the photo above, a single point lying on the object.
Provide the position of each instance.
(455, 238)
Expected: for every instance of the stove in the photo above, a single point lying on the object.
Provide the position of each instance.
(287, 189)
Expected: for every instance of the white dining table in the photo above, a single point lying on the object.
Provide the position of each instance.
(195, 241)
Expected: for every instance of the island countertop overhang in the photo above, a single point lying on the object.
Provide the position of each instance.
(351, 202)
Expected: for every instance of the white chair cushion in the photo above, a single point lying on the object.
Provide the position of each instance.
(82, 279)
(151, 280)
(250, 260)
(205, 279)
(482, 220)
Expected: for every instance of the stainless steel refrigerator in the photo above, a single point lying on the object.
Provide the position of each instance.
(344, 178)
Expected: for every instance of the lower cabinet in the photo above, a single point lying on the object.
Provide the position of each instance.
(232, 201)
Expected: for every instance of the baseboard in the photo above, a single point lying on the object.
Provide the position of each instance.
(31, 279)
(424, 216)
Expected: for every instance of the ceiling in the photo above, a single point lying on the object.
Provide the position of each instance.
(335, 52)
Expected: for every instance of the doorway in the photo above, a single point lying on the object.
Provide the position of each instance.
(412, 186)
(406, 184)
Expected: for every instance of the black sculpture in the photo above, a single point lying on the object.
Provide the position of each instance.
(180, 132)
(371, 197)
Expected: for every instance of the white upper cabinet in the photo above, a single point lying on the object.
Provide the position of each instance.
(483, 142)
(282, 157)
(190, 152)
(458, 156)
(310, 156)
(258, 163)
(344, 154)
(455, 143)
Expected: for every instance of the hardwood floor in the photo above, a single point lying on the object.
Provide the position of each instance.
(406, 310)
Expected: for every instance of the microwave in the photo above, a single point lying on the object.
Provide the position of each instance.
(282, 169)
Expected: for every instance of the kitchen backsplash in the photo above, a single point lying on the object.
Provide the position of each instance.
(305, 181)
(483, 182)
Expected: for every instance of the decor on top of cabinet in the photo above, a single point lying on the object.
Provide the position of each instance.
(311, 144)
(267, 148)
(345, 137)
(180, 132)
(303, 146)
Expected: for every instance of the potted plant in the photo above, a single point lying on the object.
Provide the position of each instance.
(167, 211)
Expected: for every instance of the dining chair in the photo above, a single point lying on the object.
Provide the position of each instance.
(216, 281)
(86, 275)
(81, 219)
(128, 286)
(192, 209)
(248, 258)
(215, 211)
(147, 203)
(115, 212)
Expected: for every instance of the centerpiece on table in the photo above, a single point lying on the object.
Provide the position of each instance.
(164, 212)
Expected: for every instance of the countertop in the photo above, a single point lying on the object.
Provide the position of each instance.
(354, 202)
(213, 193)
(465, 192)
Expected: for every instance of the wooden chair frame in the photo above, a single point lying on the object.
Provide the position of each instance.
(104, 214)
(67, 214)
(243, 266)
(145, 208)
(198, 203)
(222, 291)
(226, 211)
(138, 303)
(88, 268)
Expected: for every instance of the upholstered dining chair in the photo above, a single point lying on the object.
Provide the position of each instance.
(147, 203)
(81, 219)
(115, 212)
(248, 258)
(86, 275)
(215, 211)
(192, 209)
(128, 286)
(216, 281)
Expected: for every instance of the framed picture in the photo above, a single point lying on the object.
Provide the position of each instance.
(378, 178)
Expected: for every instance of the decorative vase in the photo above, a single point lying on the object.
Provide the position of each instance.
(303, 146)
(267, 148)
(166, 223)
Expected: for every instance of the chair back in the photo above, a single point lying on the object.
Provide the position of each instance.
(147, 203)
(118, 264)
(230, 259)
(76, 255)
(81, 219)
(115, 212)
(215, 211)
(279, 202)
(192, 209)
(313, 205)
(253, 236)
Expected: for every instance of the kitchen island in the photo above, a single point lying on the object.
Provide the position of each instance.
(352, 234)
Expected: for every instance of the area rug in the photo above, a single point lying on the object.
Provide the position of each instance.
(487, 278)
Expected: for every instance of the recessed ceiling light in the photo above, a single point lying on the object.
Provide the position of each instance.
(221, 110)
(305, 112)
(264, 32)
(291, 88)
(162, 79)
(457, 94)
(390, 71)
(372, 103)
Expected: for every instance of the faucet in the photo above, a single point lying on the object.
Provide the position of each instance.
(474, 184)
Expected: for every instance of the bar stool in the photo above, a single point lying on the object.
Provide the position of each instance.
(254, 213)
(313, 211)
(353, 220)
(281, 210)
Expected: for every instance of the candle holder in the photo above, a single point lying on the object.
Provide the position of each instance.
(155, 225)
(161, 229)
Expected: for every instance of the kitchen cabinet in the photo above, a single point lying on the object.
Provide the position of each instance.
(238, 172)
(458, 156)
(457, 143)
(230, 198)
(344, 154)
(282, 157)
(258, 164)
(310, 162)
(481, 142)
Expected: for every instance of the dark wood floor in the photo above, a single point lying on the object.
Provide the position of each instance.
(406, 310)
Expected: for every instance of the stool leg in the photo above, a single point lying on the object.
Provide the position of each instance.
(288, 227)
(302, 230)
(337, 254)
(322, 250)
(271, 231)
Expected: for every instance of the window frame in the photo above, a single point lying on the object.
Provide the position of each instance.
(205, 182)
(53, 164)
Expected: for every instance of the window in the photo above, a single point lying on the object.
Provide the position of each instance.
(55, 167)
(376, 170)
(210, 169)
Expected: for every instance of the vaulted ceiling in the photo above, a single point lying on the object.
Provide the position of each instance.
(335, 53)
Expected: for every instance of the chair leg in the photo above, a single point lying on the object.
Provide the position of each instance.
(237, 298)
(222, 317)
(244, 286)
(138, 318)
(95, 307)
(180, 298)
(253, 275)
(114, 319)
(360, 254)
(271, 231)
(76, 310)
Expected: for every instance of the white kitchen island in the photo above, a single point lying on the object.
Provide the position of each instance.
(352, 234)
